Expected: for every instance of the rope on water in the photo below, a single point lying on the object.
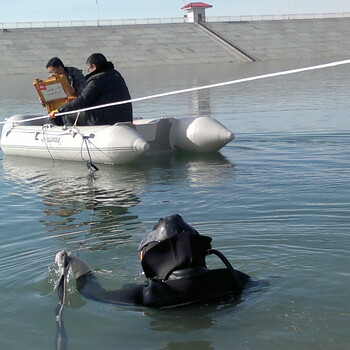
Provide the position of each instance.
(231, 82)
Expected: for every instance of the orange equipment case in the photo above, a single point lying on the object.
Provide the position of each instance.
(52, 91)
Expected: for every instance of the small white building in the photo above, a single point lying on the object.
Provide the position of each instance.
(195, 11)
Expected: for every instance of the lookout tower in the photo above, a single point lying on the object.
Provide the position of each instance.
(195, 11)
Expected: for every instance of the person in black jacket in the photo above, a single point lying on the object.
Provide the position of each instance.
(104, 85)
(75, 77)
(173, 260)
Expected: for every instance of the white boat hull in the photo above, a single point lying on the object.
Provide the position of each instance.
(202, 134)
(116, 144)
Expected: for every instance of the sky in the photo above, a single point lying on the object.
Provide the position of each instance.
(70, 10)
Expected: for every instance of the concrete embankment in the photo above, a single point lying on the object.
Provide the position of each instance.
(27, 50)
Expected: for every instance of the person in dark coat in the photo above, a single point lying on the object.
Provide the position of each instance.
(75, 77)
(104, 85)
(173, 260)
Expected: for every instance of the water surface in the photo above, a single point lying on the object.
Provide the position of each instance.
(275, 201)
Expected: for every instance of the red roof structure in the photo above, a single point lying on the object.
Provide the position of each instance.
(196, 5)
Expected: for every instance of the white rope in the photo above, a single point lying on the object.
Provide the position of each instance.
(257, 77)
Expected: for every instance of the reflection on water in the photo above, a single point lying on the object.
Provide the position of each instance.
(198, 345)
(201, 102)
(201, 170)
(93, 211)
(79, 207)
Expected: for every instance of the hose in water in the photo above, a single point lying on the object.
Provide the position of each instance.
(233, 272)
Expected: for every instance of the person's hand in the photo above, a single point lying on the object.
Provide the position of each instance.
(52, 114)
(77, 266)
(70, 98)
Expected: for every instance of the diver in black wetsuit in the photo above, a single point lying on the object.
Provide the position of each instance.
(173, 259)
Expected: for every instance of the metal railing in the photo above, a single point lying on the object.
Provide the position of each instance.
(282, 17)
(141, 21)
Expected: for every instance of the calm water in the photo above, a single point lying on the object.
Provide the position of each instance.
(276, 201)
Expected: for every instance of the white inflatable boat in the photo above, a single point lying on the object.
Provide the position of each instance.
(115, 144)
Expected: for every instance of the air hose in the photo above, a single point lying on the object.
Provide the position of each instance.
(238, 283)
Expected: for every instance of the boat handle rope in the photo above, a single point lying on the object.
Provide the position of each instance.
(90, 165)
(44, 130)
(231, 82)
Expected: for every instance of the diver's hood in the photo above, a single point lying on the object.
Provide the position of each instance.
(172, 245)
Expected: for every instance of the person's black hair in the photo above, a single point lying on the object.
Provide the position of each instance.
(54, 62)
(99, 60)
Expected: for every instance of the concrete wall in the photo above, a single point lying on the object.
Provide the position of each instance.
(27, 50)
(271, 40)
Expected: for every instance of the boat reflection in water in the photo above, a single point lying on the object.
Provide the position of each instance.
(78, 206)
(95, 208)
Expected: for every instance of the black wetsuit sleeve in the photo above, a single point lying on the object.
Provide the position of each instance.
(210, 285)
(89, 287)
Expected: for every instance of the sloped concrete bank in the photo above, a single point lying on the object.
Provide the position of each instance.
(27, 50)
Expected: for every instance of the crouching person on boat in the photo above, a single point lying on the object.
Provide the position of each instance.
(104, 85)
(173, 259)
